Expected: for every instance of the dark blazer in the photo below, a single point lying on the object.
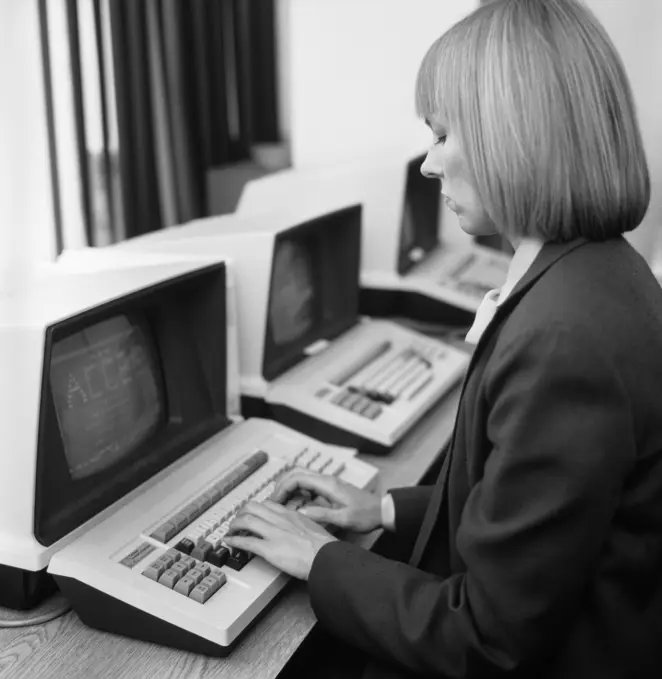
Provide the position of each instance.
(539, 550)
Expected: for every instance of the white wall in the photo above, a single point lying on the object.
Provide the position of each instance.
(26, 214)
(635, 26)
(348, 68)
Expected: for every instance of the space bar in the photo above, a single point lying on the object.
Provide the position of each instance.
(177, 522)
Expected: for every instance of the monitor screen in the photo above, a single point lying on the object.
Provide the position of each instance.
(419, 227)
(107, 393)
(292, 312)
(314, 287)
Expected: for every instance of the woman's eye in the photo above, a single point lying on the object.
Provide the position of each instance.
(441, 139)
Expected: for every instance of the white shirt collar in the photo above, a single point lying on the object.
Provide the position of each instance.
(525, 254)
(523, 258)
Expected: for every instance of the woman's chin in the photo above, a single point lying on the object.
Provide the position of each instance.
(474, 227)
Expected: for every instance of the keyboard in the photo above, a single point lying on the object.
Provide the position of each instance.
(451, 277)
(369, 387)
(157, 569)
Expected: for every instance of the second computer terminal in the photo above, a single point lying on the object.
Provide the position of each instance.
(415, 262)
(308, 359)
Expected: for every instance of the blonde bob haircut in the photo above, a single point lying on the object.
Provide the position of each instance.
(543, 110)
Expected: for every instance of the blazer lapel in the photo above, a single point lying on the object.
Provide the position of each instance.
(549, 255)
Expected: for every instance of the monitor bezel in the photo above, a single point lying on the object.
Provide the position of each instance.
(62, 504)
(277, 360)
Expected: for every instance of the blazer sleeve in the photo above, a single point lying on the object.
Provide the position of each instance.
(410, 506)
(531, 530)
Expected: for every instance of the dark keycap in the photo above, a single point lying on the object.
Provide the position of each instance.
(185, 546)
(238, 559)
(218, 557)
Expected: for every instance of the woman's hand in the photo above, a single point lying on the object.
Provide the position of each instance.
(279, 535)
(334, 502)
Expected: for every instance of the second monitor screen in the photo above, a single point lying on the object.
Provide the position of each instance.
(292, 311)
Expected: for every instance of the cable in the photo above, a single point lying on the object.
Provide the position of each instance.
(37, 619)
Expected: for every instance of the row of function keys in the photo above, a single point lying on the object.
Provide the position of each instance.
(176, 523)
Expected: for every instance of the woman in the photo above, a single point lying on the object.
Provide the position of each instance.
(538, 552)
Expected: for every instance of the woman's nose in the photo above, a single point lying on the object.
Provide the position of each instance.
(431, 167)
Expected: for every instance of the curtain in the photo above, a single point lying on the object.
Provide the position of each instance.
(148, 96)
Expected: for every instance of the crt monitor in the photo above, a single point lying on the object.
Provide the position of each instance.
(296, 276)
(313, 289)
(117, 374)
(419, 222)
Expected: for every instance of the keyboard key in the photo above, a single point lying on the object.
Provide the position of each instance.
(201, 551)
(347, 399)
(165, 532)
(336, 400)
(215, 539)
(173, 554)
(181, 568)
(185, 585)
(322, 464)
(192, 511)
(166, 560)
(212, 496)
(219, 557)
(154, 571)
(312, 463)
(180, 520)
(350, 402)
(208, 526)
(201, 593)
(204, 569)
(170, 578)
(373, 412)
(238, 559)
(336, 468)
(188, 561)
(361, 405)
(196, 574)
(214, 582)
(185, 546)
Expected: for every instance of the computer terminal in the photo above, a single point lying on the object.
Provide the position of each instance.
(121, 467)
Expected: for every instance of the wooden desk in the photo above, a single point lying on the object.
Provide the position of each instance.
(65, 649)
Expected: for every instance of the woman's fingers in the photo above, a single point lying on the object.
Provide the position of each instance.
(326, 486)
